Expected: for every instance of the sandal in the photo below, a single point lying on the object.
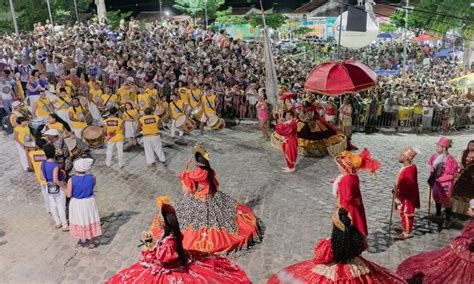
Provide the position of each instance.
(92, 245)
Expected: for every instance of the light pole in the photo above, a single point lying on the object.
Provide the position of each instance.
(405, 38)
(75, 9)
(50, 15)
(161, 11)
(205, 11)
(12, 10)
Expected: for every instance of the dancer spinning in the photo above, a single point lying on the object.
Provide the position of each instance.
(347, 188)
(337, 260)
(406, 191)
(211, 221)
(165, 261)
(443, 168)
(287, 131)
(452, 264)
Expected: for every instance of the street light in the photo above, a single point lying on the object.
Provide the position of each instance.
(167, 13)
(405, 38)
(12, 9)
(50, 15)
(205, 11)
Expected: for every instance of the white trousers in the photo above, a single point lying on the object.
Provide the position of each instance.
(57, 203)
(110, 150)
(152, 145)
(64, 115)
(44, 192)
(23, 156)
(175, 129)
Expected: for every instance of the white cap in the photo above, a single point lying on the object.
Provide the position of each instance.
(16, 104)
(52, 132)
(83, 165)
(130, 79)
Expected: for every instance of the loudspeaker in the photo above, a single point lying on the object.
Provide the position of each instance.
(356, 19)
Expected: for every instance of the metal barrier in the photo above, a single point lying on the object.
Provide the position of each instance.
(369, 117)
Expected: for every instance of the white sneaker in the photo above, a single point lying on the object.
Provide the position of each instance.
(287, 170)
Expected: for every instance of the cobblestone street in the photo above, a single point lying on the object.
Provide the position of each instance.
(294, 209)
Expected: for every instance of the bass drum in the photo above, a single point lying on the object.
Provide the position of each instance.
(93, 136)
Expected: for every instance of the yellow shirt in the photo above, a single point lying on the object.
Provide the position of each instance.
(91, 84)
(126, 94)
(14, 115)
(24, 134)
(78, 113)
(43, 107)
(152, 92)
(194, 97)
(109, 101)
(209, 104)
(57, 125)
(37, 157)
(95, 95)
(20, 90)
(418, 109)
(63, 103)
(184, 94)
(114, 129)
(149, 125)
(176, 109)
(67, 88)
(143, 101)
(130, 114)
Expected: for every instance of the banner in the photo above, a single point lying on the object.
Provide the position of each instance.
(271, 82)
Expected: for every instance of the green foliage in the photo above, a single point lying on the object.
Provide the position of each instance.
(196, 8)
(114, 17)
(439, 16)
(301, 31)
(226, 18)
(273, 21)
(387, 28)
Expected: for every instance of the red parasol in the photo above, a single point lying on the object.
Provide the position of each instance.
(342, 77)
(423, 37)
(287, 95)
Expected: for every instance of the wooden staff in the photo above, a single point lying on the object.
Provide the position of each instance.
(391, 211)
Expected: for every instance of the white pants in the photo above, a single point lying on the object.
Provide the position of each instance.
(57, 203)
(44, 192)
(64, 115)
(175, 129)
(77, 132)
(110, 150)
(23, 156)
(33, 99)
(152, 145)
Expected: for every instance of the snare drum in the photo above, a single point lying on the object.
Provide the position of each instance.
(220, 125)
(30, 146)
(212, 120)
(93, 136)
(197, 113)
(74, 149)
(180, 121)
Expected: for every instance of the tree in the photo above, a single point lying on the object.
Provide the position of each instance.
(273, 21)
(196, 8)
(226, 18)
(301, 31)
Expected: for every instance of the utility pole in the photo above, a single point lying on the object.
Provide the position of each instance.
(12, 10)
(339, 36)
(50, 15)
(205, 11)
(75, 8)
(405, 38)
(161, 11)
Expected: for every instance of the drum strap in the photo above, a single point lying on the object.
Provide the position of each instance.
(110, 96)
(62, 99)
(177, 107)
(209, 103)
(194, 98)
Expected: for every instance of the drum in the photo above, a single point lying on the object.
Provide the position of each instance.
(30, 146)
(180, 121)
(160, 109)
(220, 125)
(197, 113)
(93, 136)
(189, 126)
(74, 149)
(212, 121)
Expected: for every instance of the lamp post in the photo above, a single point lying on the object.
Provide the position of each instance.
(161, 11)
(12, 10)
(50, 15)
(75, 9)
(205, 11)
(405, 38)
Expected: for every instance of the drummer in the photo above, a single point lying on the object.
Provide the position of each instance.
(56, 122)
(194, 96)
(128, 91)
(152, 92)
(95, 93)
(149, 125)
(176, 109)
(42, 107)
(113, 131)
(208, 103)
(23, 139)
(16, 113)
(108, 100)
(63, 104)
(130, 117)
(142, 101)
(77, 115)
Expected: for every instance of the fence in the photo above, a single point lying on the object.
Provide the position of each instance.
(411, 118)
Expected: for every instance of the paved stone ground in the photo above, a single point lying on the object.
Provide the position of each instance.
(295, 209)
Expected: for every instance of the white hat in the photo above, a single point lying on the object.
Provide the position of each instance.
(16, 104)
(471, 204)
(83, 165)
(52, 132)
(130, 79)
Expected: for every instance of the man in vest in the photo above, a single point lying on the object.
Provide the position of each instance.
(114, 134)
(23, 139)
(149, 125)
(37, 156)
(176, 109)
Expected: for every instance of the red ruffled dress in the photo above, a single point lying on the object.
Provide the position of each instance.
(289, 146)
(211, 223)
(321, 269)
(350, 197)
(161, 266)
(453, 264)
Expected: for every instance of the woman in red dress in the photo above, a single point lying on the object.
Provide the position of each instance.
(210, 220)
(452, 264)
(287, 131)
(338, 260)
(167, 261)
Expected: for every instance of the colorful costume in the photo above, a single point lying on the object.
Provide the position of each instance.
(289, 145)
(463, 190)
(444, 167)
(453, 264)
(408, 196)
(210, 222)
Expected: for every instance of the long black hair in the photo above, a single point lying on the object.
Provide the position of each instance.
(172, 227)
(465, 153)
(60, 120)
(204, 164)
(348, 243)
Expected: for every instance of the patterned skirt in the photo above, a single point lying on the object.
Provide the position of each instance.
(218, 224)
(84, 220)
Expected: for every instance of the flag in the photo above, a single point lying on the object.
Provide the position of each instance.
(271, 82)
